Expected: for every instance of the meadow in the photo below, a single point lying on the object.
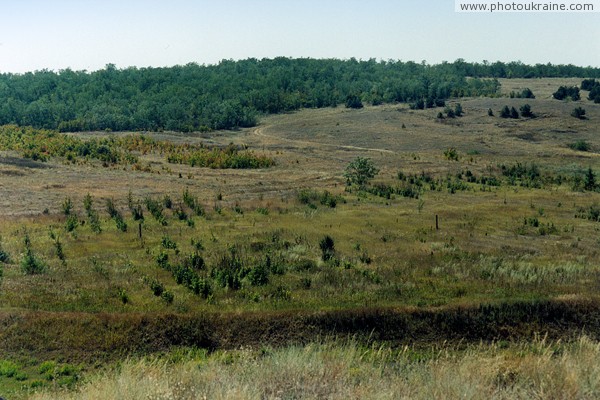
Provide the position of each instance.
(477, 229)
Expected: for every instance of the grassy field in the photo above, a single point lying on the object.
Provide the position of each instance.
(234, 257)
(331, 370)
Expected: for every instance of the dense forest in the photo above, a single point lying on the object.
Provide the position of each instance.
(235, 93)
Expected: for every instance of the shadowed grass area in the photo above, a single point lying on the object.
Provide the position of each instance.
(87, 337)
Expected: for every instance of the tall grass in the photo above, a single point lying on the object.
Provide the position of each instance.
(350, 371)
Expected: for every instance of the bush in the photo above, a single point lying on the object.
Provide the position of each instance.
(458, 110)
(110, 208)
(578, 112)
(505, 112)
(259, 274)
(589, 84)
(527, 94)
(360, 171)
(353, 101)
(327, 247)
(229, 270)
(526, 111)
(71, 223)
(565, 92)
(451, 154)
(121, 224)
(580, 145)
(589, 180)
(4, 256)
(67, 206)
(329, 200)
(168, 243)
(30, 264)
(167, 297)
(514, 114)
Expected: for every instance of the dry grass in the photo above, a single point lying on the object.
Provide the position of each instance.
(539, 370)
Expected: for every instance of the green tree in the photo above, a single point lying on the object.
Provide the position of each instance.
(360, 171)
(514, 113)
(527, 94)
(458, 110)
(589, 180)
(505, 112)
(30, 264)
(526, 111)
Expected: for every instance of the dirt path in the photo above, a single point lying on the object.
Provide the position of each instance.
(259, 131)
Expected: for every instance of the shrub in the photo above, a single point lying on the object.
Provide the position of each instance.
(59, 250)
(167, 297)
(71, 223)
(110, 208)
(360, 171)
(580, 145)
(8, 368)
(229, 270)
(327, 199)
(565, 92)
(514, 114)
(505, 112)
(193, 203)
(94, 221)
(157, 287)
(527, 94)
(451, 154)
(123, 296)
(30, 264)
(578, 112)
(458, 110)
(259, 274)
(87, 203)
(156, 209)
(167, 202)
(327, 247)
(137, 212)
(281, 293)
(168, 243)
(589, 84)
(526, 111)
(67, 206)
(4, 256)
(589, 180)
(121, 224)
(353, 101)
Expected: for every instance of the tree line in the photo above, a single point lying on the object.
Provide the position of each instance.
(234, 94)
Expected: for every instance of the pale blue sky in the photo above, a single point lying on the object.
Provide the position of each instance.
(80, 34)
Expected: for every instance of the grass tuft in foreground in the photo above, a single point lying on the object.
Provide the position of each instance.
(350, 371)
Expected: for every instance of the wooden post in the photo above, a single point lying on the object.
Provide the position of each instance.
(140, 230)
(437, 225)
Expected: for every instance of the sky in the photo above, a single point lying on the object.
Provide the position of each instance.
(88, 34)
